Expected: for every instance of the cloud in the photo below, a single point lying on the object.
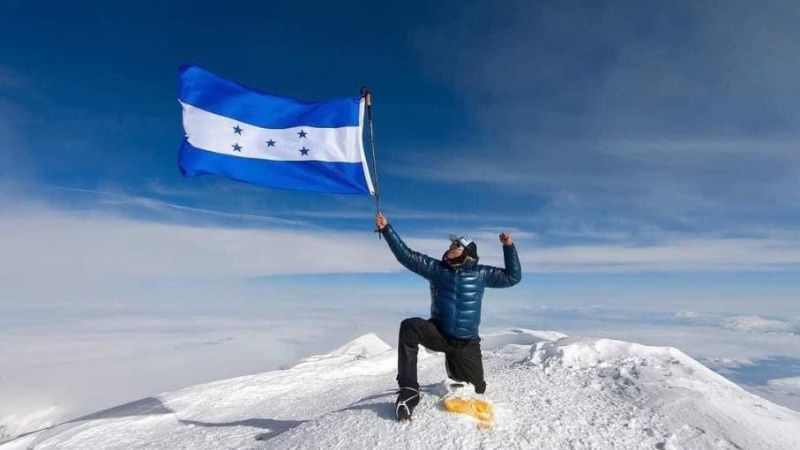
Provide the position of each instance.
(695, 254)
(52, 250)
(52, 246)
(683, 159)
(109, 199)
(788, 383)
(757, 324)
(700, 184)
(742, 323)
(784, 391)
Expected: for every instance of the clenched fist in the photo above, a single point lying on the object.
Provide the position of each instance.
(505, 238)
(380, 221)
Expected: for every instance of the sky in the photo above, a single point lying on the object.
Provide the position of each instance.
(644, 155)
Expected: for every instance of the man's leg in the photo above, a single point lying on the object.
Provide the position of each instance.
(465, 363)
(413, 332)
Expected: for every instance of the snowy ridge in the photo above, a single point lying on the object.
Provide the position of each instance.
(360, 348)
(550, 391)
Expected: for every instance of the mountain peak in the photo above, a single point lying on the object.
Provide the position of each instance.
(549, 391)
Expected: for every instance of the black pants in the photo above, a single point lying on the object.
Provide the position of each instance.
(462, 358)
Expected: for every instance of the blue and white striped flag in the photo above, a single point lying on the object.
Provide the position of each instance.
(278, 142)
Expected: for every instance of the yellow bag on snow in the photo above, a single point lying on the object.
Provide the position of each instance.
(474, 407)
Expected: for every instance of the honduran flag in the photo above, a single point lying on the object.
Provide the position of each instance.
(272, 141)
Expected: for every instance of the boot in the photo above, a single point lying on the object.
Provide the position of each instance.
(407, 400)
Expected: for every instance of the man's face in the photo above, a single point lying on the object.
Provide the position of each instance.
(454, 251)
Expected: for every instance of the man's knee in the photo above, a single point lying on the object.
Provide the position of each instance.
(410, 324)
(408, 329)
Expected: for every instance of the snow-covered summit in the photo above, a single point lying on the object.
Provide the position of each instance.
(360, 348)
(550, 391)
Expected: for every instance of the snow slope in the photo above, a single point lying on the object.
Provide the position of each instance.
(550, 391)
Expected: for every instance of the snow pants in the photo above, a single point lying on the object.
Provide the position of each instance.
(463, 360)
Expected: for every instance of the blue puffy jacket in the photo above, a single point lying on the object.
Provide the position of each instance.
(456, 293)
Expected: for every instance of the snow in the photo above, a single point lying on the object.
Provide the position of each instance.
(21, 422)
(550, 391)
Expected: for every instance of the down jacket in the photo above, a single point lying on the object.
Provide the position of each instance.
(456, 293)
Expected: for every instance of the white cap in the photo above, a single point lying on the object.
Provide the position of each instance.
(464, 240)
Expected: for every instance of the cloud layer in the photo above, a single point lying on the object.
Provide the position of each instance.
(56, 252)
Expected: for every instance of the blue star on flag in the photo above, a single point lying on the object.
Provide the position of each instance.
(302, 134)
(237, 130)
(270, 143)
(304, 151)
(237, 147)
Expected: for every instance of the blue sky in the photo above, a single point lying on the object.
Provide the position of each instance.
(644, 154)
(568, 120)
(635, 137)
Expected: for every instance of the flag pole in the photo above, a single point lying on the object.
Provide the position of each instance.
(367, 94)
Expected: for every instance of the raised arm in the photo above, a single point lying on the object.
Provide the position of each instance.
(512, 274)
(414, 261)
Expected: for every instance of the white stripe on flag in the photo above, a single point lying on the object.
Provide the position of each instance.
(215, 133)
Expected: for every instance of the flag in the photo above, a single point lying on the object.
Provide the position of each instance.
(268, 140)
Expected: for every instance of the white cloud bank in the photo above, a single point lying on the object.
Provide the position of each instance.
(788, 383)
(743, 323)
(679, 254)
(52, 245)
(759, 324)
(784, 391)
(47, 247)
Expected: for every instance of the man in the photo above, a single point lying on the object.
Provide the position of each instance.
(457, 282)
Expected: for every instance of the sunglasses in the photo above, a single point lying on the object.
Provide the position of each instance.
(460, 241)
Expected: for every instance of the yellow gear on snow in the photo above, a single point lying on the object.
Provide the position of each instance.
(473, 407)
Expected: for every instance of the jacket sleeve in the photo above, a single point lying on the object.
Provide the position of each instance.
(511, 275)
(414, 261)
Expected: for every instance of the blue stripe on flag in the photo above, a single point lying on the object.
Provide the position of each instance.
(319, 176)
(201, 88)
